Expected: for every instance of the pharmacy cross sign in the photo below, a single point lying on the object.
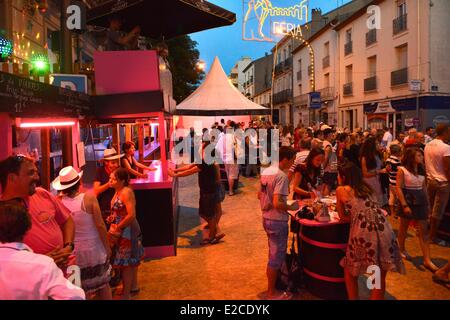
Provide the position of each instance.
(263, 19)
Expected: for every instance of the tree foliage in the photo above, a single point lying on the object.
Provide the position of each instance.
(183, 59)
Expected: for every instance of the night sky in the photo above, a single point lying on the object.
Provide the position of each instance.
(227, 43)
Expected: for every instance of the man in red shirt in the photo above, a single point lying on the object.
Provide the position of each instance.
(53, 230)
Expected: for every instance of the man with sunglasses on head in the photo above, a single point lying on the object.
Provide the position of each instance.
(52, 230)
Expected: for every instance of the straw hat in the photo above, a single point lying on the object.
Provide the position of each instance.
(111, 154)
(67, 178)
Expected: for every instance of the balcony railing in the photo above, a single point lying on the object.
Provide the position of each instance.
(299, 75)
(348, 89)
(288, 63)
(282, 96)
(399, 77)
(371, 37)
(302, 99)
(326, 62)
(279, 68)
(400, 24)
(327, 93)
(370, 84)
(348, 48)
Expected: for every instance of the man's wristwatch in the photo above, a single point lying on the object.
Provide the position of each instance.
(71, 244)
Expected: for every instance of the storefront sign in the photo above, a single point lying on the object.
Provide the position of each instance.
(409, 122)
(315, 100)
(415, 85)
(265, 19)
(74, 82)
(441, 120)
(384, 107)
(27, 98)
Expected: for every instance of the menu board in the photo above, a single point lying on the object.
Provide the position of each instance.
(27, 98)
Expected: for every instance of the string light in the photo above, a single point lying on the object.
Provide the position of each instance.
(6, 48)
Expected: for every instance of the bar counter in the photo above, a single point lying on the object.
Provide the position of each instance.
(157, 212)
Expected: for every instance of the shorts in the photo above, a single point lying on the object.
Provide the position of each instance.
(207, 205)
(232, 170)
(438, 194)
(330, 179)
(392, 195)
(277, 233)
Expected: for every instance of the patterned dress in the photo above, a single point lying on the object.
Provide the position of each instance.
(128, 250)
(372, 240)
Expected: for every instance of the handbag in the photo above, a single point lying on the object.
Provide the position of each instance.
(291, 276)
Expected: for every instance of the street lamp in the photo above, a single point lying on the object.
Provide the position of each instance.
(201, 65)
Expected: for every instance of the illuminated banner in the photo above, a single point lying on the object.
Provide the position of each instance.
(265, 19)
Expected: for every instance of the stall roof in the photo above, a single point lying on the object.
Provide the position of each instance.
(217, 96)
(162, 19)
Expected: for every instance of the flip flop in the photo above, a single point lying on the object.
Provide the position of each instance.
(440, 280)
(217, 238)
(284, 296)
(205, 242)
(433, 270)
(135, 291)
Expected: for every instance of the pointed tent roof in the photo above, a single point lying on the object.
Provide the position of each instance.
(217, 96)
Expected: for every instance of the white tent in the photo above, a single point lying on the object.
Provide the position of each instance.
(217, 98)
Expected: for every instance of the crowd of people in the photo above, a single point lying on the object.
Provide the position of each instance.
(373, 176)
(47, 239)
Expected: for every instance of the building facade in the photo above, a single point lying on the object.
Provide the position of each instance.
(237, 76)
(376, 66)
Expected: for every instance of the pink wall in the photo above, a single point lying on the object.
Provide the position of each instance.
(6, 136)
(126, 71)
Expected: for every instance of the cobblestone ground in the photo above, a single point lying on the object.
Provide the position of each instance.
(235, 268)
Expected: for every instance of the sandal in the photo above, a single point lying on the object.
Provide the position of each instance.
(205, 242)
(283, 296)
(217, 238)
(136, 291)
(405, 255)
(432, 268)
(440, 280)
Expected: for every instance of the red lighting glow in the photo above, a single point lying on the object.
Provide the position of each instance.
(46, 124)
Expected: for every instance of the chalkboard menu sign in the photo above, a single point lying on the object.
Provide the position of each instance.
(23, 97)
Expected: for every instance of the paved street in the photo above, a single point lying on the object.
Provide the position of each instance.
(235, 268)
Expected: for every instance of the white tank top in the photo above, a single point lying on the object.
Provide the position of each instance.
(85, 228)
(412, 181)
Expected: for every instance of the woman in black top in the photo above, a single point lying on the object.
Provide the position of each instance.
(211, 194)
(351, 152)
(131, 164)
(307, 174)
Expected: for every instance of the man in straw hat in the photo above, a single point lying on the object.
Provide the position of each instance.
(52, 231)
(101, 186)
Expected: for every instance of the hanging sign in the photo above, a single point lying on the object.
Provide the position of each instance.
(264, 20)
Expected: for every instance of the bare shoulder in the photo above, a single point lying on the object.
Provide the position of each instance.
(127, 193)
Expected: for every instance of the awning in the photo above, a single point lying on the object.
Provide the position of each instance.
(216, 96)
(23, 97)
(162, 18)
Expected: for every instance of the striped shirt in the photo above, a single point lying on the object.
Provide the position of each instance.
(394, 162)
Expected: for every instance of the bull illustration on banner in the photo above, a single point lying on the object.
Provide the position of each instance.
(283, 20)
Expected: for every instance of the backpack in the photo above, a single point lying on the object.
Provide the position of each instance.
(291, 276)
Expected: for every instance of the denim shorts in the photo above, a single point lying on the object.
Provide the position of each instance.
(277, 234)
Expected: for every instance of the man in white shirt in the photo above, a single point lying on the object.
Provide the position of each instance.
(429, 133)
(437, 162)
(387, 138)
(25, 275)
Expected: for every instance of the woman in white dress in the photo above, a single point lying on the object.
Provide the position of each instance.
(91, 247)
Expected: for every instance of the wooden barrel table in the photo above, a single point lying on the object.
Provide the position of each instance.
(322, 245)
(444, 226)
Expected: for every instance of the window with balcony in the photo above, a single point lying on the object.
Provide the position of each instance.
(326, 80)
(348, 47)
(400, 75)
(310, 70)
(326, 55)
(348, 86)
(370, 83)
(400, 23)
(371, 37)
